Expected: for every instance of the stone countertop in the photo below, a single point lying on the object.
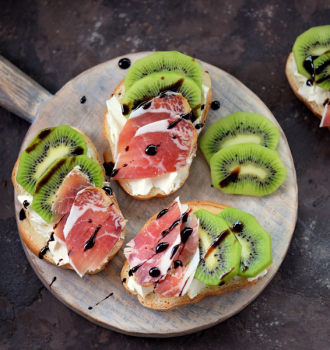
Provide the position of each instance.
(54, 41)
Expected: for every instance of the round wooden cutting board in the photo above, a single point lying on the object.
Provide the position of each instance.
(122, 312)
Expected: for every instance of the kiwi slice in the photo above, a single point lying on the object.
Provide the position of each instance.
(153, 84)
(247, 169)
(49, 145)
(220, 252)
(308, 46)
(50, 182)
(322, 71)
(256, 245)
(240, 127)
(164, 61)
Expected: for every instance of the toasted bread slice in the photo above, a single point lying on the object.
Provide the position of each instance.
(295, 83)
(157, 302)
(34, 240)
(119, 92)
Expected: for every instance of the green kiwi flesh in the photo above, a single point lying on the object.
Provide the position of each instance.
(48, 146)
(322, 71)
(164, 61)
(152, 85)
(256, 253)
(240, 127)
(247, 169)
(50, 182)
(220, 252)
(312, 43)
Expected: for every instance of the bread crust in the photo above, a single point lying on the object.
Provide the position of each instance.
(295, 84)
(35, 241)
(159, 303)
(119, 92)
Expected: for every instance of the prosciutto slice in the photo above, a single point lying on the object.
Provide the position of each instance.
(74, 182)
(159, 108)
(179, 278)
(92, 229)
(157, 148)
(142, 247)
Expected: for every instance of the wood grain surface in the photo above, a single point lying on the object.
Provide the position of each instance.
(122, 312)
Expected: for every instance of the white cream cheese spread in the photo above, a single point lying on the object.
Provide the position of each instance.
(312, 93)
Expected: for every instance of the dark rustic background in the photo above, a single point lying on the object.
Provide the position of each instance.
(53, 41)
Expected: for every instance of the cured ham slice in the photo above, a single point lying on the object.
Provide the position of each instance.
(92, 229)
(179, 278)
(157, 148)
(59, 227)
(325, 122)
(74, 182)
(159, 108)
(142, 247)
(155, 268)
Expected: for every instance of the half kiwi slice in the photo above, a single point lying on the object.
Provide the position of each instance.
(152, 85)
(247, 169)
(48, 146)
(240, 127)
(310, 45)
(50, 182)
(322, 71)
(256, 253)
(220, 252)
(165, 61)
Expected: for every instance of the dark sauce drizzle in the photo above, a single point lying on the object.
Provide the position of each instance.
(232, 177)
(173, 124)
(133, 270)
(43, 134)
(168, 230)
(22, 215)
(151, 150)
(215, 105)
(26, 204)
(108, 190)
(177, 263)
(124, 63)
(237, 227)
(198, 126)
(124, 280)
(216, 243)
(174, 250)
(51, 283)
(108, 296)
(108, 168)
(91, 241)
(43, 251)
(114, 172)
(83, 99)
(154, 272)
(161, 213)
(185, 234)
(161, 247)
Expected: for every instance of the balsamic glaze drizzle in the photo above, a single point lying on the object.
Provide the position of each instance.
(215, 105)
(108, 190)
(124, 63)
(51, 283)
(22, 215)
(154, 272)
(161, 247)
(91, 241)
(151, 150)
(83, 99)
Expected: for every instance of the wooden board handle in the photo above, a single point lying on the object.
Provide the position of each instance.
(19, 93)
